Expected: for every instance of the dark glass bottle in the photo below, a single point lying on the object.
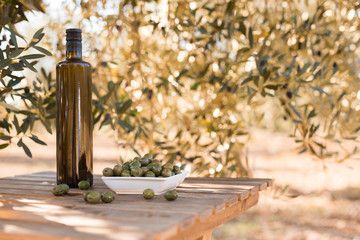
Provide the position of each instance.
(74, 157)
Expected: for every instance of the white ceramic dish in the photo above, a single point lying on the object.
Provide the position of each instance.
(136, 185)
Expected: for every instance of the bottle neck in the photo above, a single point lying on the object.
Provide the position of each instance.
(73, 50)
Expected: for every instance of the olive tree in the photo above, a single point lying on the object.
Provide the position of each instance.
(16, 122)
(188, 79)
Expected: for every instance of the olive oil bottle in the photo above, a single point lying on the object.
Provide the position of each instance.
(74, 157)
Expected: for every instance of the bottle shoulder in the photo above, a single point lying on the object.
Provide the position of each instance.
(73, 62)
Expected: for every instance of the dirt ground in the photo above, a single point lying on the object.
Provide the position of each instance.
(326, 203)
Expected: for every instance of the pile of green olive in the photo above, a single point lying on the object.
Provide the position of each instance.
(94, 197)
(89, 196)
(170, 195)
(142, 167)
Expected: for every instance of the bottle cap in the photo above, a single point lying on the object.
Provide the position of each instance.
(73, 34)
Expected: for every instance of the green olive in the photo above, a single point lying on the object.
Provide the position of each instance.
(126, 166)
(150, 174)
(157, 169)
(136, 172)
(135, 164)
(84, 185)
(148, 193)
(125, 173)
(166, 172)
(85, 195)
(155, 161)
(168, 166)
(93, 197)
(136, 159)
(108, 172)
(65, 187)
(171, 195)
(117, 170)
(176, 169)
(149, 166)
(148, 156)
(107, 197)
(144, 161)
(58, 191)
(144, 170)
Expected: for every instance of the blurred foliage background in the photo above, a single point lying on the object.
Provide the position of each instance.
(189, 79)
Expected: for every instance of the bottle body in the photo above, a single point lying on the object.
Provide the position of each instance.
(74, 125)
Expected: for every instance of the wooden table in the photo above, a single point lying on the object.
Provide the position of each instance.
(28, 210)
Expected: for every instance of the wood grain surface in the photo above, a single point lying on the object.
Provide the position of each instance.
(28, 209)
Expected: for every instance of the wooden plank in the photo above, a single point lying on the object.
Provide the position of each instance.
(203, 227)
(91, 217)
(45, 177)
(236, 181)
(203, 204)
(98, 185)
(229, 199)
(49, 187)
(261, 181)
(216, 204)
(255, 180)
(199, 212)
(241, 194)
(269, 181)
(21, 236)
(252, 189)
(28, 178)
(28, 230)
(22, 182)
(183, 220)
(54, 216)
(242, 182)
(46, 173)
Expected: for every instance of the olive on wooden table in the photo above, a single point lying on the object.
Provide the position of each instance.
(93, 197)
(107, 197)
(148, 193)
(83, 185)
(171, 195)
(57, 191)
(85, 195)
(65, 187)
